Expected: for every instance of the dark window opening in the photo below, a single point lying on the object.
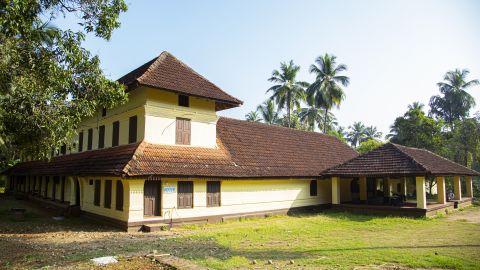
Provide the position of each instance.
(132, 129)
(101, 137)
(213, 193)
(104, 112)
(115, 133)
(185, 194)
(80, 141)
(107, 200)
(96, 195)
(183, 101)
(119, 196)
(313, 188)
(90, 139)
(63, 149)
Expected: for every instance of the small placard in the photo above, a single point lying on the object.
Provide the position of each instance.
(168, 189)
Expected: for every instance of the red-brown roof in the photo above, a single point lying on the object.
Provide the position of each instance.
(244, 150)
(396, 160)
(169, 73)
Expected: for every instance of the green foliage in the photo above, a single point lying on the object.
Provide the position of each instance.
(268, 112)
(253, 116)
(287, 91)
(356, 133)
(326, 91)
(453, 103)
(48, 82)
(416, 129)
(368, 145)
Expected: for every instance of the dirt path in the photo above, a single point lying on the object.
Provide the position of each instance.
(471, 215)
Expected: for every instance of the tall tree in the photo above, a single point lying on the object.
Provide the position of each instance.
(268, 112)
(287, 91)
(48, 81)
(371, 132)
(356, 133)
(253, 116)
(326, 91)
(416, 129)
(454, 102)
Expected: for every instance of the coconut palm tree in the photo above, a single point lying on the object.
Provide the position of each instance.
(287, 92)
(326, 91)
(455, 102)
(356, 133)
(268, 112)
(418, 106)
(371, 132)
(253, 117)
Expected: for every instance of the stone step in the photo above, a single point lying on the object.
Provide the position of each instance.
(155, 227)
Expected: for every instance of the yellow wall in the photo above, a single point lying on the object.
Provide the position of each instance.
(237, 196)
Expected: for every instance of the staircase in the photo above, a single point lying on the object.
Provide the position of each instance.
(155, 227)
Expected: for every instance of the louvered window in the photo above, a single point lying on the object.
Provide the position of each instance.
(115, 133)
(107, 200)
(132, 129)
(90, 139)
(101, 137)
(183, 131)
(96, 194)
(313, 188)
(213, 193)
(119, 196)
(185, 194)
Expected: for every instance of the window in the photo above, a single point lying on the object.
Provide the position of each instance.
(89, 139)
(183, 101)
(80, 141)
(119, 196)
(101, 137)
(63, 149)
(183, 131)
(107, 200)
(132, 129)
(115, 133)
(313, 188)
(213, 193)
(104, 112)
(47, 179)
(96, 195)
(185, 194)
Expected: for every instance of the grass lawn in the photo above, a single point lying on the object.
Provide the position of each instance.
(325, 240)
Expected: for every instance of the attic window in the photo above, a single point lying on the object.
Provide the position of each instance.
(183, 101)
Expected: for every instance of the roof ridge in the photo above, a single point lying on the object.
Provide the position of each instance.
(409, 157)
(198, 74)
(282, 127)
(444, 158)
(154, 63)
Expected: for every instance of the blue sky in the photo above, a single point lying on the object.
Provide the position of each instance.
(396, 51)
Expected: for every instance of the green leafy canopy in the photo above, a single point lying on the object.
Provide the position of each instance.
(48, 81)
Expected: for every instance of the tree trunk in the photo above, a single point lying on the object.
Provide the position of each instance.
(288, 108)
(325, 121)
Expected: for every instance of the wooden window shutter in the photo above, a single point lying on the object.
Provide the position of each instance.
(313, 188)
(96, 195)
(119, 196)
(132, 129)
(183, 131)
(80, 141)
(101, 137)
(185, 194)
(115, 133)
(90, 139)
(107, 200)
(213, 193)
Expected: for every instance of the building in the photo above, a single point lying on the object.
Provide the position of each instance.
(167, 157)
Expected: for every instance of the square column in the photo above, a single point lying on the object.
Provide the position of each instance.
(421, 192)
(363, 188)
(457, 188)
(469, 186)
(335, 190)
(405, 187)
(441, 191)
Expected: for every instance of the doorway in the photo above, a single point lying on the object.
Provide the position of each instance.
(151, 195)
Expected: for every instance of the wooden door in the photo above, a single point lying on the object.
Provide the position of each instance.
(151, 195)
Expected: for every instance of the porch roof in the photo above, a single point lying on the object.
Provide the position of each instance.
(397, 160)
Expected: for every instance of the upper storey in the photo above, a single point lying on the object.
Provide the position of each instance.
(168, 73)
(168, 103)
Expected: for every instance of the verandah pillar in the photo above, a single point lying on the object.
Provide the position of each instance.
(421, 192)
(469, 186)
(363, 188)
(335, 190)
(441, 191)
(457, 188)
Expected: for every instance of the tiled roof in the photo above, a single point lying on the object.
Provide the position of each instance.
(245, 149)
(396, 160)
(169, 73)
